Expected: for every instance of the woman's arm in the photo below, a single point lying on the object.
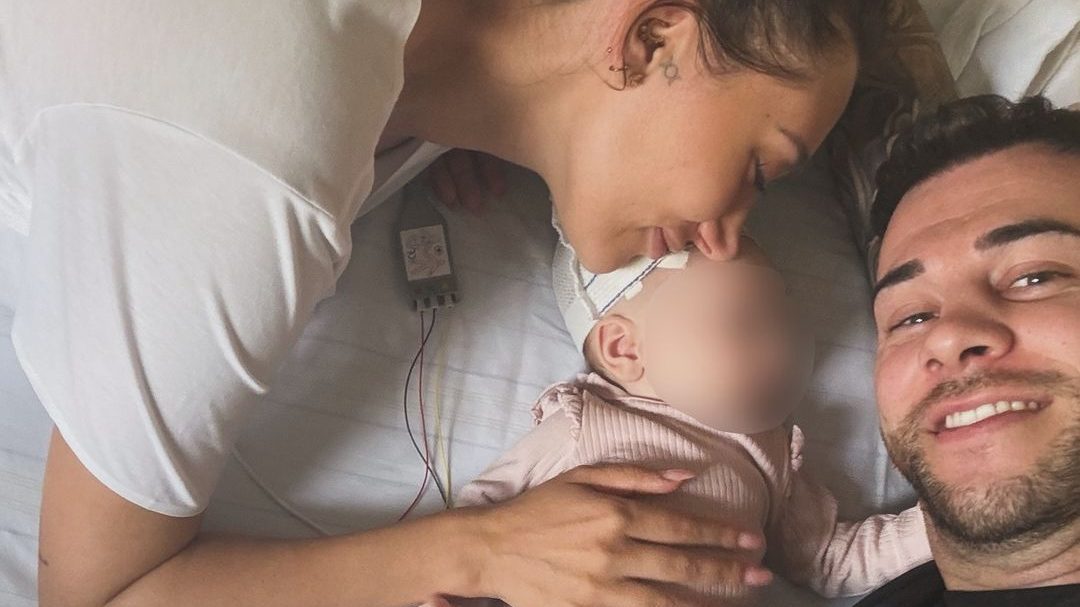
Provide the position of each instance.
(573, 541)
(98, 549)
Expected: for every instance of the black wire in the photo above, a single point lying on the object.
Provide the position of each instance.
(405, 407)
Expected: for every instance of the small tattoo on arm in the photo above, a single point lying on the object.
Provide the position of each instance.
(671, 71)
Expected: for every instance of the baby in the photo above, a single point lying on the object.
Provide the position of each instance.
(697, 364)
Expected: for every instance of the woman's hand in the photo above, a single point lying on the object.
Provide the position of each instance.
(464, 179)
(582, 540)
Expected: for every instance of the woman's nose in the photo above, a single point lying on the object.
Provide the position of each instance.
(719, 239)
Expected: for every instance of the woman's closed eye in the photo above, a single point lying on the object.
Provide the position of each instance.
(760, 181)
(768, 172)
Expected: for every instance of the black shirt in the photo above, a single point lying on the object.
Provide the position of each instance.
(923, 587)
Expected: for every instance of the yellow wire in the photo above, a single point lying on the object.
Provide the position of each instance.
(441, 450)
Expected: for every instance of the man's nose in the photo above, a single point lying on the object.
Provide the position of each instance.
(719, 239)
(963, 339)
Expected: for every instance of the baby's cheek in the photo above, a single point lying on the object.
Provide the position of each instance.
(720, 375)
(681, 371)
(689, 361)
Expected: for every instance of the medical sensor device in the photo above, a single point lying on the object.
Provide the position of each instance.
(424, 242)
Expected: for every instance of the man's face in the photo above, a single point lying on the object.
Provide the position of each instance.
(978, 368)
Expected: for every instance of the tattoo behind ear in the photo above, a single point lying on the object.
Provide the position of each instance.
(671, 71)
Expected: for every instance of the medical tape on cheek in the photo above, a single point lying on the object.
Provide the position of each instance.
(675, 261)
(671, 261)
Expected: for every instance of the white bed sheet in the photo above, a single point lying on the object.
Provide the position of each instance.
(1014, 48)
(330, 437)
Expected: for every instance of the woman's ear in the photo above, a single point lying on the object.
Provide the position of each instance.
(618, 349)
(662, 45)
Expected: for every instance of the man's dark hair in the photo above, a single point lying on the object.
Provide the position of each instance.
(965, 130)
(781, 37)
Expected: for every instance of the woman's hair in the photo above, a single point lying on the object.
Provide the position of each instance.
(781, 38)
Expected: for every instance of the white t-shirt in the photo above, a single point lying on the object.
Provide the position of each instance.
(186, 174)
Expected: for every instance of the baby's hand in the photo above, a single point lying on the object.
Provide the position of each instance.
(461, 178)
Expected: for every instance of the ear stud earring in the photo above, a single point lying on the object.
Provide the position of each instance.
(647, 34)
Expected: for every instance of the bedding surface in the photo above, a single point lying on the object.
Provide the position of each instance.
(1014, 48)
(330, 437)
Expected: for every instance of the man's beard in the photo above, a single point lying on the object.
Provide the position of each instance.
(1011, 513)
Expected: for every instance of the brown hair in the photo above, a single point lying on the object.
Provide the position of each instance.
(780, 37)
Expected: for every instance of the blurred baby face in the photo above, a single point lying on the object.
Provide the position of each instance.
(719, 342)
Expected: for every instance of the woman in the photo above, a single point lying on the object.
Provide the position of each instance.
(186, 174)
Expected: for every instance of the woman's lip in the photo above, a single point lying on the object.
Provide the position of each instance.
(672, 241)
(657, 244)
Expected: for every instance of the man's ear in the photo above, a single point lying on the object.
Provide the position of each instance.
(618, 348)
(663, 45)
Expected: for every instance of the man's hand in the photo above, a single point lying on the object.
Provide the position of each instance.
(464, 179)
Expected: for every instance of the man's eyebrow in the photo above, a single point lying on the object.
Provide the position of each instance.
(800, 145)
(1011, 233)
(899, 274)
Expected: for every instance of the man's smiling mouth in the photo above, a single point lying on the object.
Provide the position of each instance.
(969, 417)
(999, 405)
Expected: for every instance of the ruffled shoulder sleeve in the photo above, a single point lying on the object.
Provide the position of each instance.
(567, 397)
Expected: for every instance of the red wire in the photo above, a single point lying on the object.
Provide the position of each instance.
(423, 427)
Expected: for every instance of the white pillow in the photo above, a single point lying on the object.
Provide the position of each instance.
(1014, 48)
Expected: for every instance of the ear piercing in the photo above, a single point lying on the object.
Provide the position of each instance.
(630, 80)
(646, 33)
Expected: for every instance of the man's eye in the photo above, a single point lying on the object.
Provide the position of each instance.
(1035, 279)
(911, 321)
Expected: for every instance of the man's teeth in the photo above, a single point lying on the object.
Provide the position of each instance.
(973, 416)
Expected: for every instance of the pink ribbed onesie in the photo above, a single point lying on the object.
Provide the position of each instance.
(751, 480)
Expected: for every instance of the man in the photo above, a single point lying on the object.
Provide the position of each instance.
(977, 303)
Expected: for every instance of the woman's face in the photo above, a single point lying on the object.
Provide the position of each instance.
(677, 160)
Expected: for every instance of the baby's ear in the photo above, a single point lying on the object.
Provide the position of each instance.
(617, 348)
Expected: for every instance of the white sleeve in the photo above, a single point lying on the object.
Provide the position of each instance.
(166, 278)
